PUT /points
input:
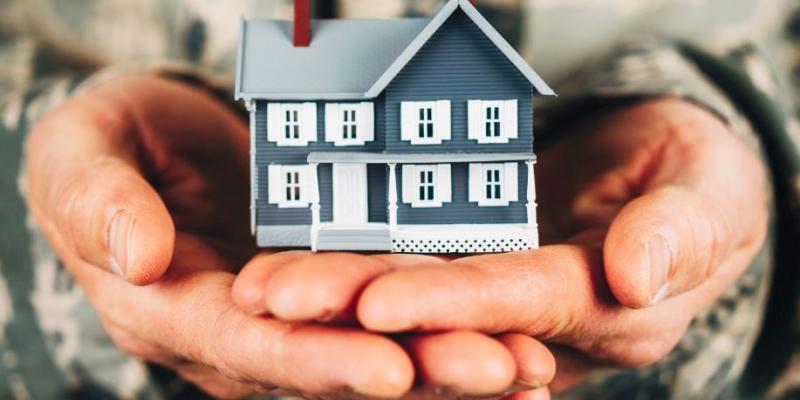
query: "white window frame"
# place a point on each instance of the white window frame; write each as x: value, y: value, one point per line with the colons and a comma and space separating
x: 493, y: 122
x: 415, y: 120
x: 279, y: 124
x: 479, y: 128
x: 282, y: 186
x: 350, y: 129
x: 479, y: 182
x: 423, y: 187
x: 413, y: 184
x: 290, y: 123
x: 486, y: 200
x: 338, y: 124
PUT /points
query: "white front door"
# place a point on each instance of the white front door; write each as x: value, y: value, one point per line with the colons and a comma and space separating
x: 350, y: 193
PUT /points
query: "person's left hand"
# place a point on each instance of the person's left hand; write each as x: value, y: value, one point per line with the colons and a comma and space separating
x: 658, y: 209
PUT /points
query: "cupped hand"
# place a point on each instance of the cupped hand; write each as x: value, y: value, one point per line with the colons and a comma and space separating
x: 649, y: 212
x: 144, y: 181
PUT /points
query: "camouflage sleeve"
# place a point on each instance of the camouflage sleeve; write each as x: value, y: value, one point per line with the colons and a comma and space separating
x: 725, y: 352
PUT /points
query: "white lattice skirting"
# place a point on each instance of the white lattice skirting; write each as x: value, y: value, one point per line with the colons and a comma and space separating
x: 464, y: 239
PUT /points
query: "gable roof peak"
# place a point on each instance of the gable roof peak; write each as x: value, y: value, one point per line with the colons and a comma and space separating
x: 436, y: 23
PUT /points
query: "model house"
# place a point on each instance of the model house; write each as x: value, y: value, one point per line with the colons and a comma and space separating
x: 405, y: 135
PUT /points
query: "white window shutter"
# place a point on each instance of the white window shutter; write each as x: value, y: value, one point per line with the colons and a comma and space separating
x: 475, y: 116
x: 510, y: 119
x: 333, y: 122
x: 275, y: 183
x: 443, y: 120
x: 410, y: 183
x: 366, y: 123
x: 274, y: 122
x: 476, y: 182
x: 308, y: 122
x: 511, y: 178
x: 408, y: 120
x: 444, y: 184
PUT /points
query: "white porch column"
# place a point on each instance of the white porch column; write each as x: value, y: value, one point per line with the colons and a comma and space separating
x: 392, y: 196
x: 531, y: 205
x: 315, y: 207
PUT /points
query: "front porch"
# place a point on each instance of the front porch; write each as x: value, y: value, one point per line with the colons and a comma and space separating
x: 455, y: 238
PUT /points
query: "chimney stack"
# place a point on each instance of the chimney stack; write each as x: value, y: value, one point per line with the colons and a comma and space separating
x: 302, y: 23
x: 474, y: 2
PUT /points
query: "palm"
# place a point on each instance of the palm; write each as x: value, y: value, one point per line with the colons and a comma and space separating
x: 194, y: 153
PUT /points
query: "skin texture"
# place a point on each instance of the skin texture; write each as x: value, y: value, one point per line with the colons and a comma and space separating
x: 647, y: 212
x: 141, y: 186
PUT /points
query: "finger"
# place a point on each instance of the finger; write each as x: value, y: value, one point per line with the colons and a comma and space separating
x: 248, y: 289
x: 191, y: 314
x: 490, y: 293
x: 85, y: 188
x: 537, y: 394
x: 536, y: 366
x: 694, y: 215
x: 466, y: 363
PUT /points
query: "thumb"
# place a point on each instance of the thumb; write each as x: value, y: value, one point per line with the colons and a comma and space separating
x: 112, y: 218
x: 703, y: 213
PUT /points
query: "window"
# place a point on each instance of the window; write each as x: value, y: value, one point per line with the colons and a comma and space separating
x: 492, y: 121
x: 426, y: 185
x: 493, y: 185
x: 349, y: 124
x: 290, y: 186
x: 425, y: 122
x: 291, y: 124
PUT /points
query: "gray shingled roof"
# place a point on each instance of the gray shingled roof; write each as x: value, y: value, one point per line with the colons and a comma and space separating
x: 347, y: 59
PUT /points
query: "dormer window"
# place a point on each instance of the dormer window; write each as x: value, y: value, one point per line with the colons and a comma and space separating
x: 349, y: 124
x: 291, y: 124
x: 493, y: 121
x: 425, y: 122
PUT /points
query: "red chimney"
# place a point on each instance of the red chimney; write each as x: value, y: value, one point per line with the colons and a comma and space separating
x: 302, y: 23
x: 474, y: 2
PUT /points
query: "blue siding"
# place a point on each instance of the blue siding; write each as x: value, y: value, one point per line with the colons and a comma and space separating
x: 378, y: 195
x: 460, y: 210
x: 458, y: 64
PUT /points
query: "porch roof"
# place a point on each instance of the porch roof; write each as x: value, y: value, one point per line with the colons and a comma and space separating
x: 327, y: 157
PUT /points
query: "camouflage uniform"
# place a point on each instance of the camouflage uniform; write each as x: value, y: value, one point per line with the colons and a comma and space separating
x: 738, y: 58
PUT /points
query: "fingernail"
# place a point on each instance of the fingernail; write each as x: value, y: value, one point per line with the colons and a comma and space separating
x: 659, y: 258
x: 118, y: 234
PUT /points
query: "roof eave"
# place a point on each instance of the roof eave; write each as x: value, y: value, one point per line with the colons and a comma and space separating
x: 240, y: 61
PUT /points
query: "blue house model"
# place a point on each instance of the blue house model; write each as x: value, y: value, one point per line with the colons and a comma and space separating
x: 405, y: 135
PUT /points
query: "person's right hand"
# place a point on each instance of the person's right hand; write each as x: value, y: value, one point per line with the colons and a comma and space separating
x: 146, y: 179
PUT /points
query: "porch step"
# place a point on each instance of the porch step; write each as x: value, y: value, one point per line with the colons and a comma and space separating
x: 369, y: 239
